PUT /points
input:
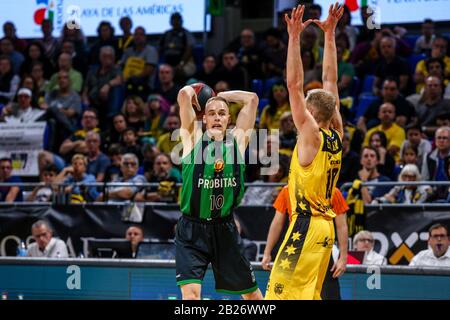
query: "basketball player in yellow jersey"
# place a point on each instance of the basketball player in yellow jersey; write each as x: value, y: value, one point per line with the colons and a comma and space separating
x: 300, y: 266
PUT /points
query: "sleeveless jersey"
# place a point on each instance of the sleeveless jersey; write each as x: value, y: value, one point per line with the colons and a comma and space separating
x: 213, y: 179
x: 311, y: 187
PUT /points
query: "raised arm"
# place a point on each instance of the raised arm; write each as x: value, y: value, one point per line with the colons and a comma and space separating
x: 245, y: 121
x: 330, y: 69
x: 186, y: 100
x: 294, y: 68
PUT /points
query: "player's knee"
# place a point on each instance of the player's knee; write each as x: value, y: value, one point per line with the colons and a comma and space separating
x: 255, y: 295
x: 191, y: 296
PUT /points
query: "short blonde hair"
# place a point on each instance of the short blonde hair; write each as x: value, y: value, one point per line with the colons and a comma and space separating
x: 81, y: 157
x: 324, y: 102
x: 220, y: 99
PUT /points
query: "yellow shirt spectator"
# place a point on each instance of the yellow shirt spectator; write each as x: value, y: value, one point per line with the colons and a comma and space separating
x: 395, y: 136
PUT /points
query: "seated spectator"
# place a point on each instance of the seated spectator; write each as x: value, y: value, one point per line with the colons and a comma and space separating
x: 9, y: 30
x: 346, y: 72
x: 65, y: 64
x: 44, y: 192
x: 46, y: 158
x: 232, y: 72
x: 16, y: 58
x: 436, y: 68
x: 369, y: 173
x: 139, y: 62
x: 22, y: 111
x: 344, y: 27
x: 409, y: 155
x: 350, y: 161
x: 155, y: 115
x: 79, y: 58
x: 97, y: 160
x: 278, y: 104
x: 310, y: 42
x: 165, y: 142
x: 46, y: 246
x: 395, y: 134
x: 9, y: 82
x: 406, y: 194
x: 208, y: 73
x: 113, y: 172
x: 424, y: 42
x: 150, y: 153
x: 430, y: 104
x: 404, y: 111
x: 129, y: 168
x: 134, y: 234
x: 167, y: 176
x: 28, y: 82
x: 365, y: 54
x: 114, y: 134
x: 390, y: 65
x: 249, y: 249
x: 75, y: 177
x: 176, y: 47
x: 36, y: 53
x: 363, y: 241
x: 386, y: 164
x: 75, y: 143
x: 73, y: 42
x: 437, y: 254
x: 101, y: 82
x: 167, y: 88
x: 439, y: 51
x: 105, y: 37
x: 9, y: 194
x: 288, y: 132
x: 414, y: 139
x: 274, y: 54
x: 130, y: 143
x: 250, y: 55
x: 134, y: 111
x: 311, y: 68
x: 40, y: 82
x: 48, y: 41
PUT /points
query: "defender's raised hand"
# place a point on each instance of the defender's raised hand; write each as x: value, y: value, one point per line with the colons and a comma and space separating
x: 295, y: 24
x: 334, y: 14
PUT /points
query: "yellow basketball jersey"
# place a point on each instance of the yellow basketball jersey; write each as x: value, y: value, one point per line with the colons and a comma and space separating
x: 311, y: 187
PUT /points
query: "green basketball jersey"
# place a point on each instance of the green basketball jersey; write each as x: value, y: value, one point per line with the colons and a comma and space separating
x: 213, y: 179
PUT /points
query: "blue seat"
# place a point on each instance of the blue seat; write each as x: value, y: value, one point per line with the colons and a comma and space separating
x: 257, y: 87
x: 411, y: 40
x: 413, y: 60
x: 268, y: 85
x: 364, y: 102
x: 368, y: 83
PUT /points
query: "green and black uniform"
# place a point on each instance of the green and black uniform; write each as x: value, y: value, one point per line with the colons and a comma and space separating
x: 213, y: 184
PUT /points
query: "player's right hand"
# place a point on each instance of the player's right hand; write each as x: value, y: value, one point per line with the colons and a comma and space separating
x: 266, y: 262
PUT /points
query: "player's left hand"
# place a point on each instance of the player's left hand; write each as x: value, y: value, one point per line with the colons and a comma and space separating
x: 334, y: 14
x: 339, y: 268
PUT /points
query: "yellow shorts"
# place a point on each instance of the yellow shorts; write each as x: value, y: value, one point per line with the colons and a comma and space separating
x: 302, y: 260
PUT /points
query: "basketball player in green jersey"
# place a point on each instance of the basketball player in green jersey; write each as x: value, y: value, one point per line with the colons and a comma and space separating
x: 213, y: 184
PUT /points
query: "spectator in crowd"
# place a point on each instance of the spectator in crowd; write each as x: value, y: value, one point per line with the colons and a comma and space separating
x: 176, y: 47
x: 433, y: 163
x: 134, y: 234
x: 46, y: 246
x: 365, y: 54
x: 310, y: 42
x: 97, y: 160
x: 390, y: 65
x: 7, y: 49
x: 9, y: 30
x: 113, y: 172
x: 36, y: 53
x: 437, y: 254
x: 407, y: 194
x: 288, y: 132
x: 126, y: 40
x: 44, y: 192
x: 49, y: 42
x: 150, y: 153
x: 439, y: 51
x: 394, y: 133
x: 22, y: 111
x: 274, y: 55
x: 386, y: 164
x: 37, y: 73
x: 75, y: 177
x: 409, y: 155
x: 369, y: 173
x: 129, y: 168
x: 168, y: 89
x: 65, y: 64
x: 346, y: 72
x: 344, y: 27
x: 430, y: 104
x: 363, y: 241
x: 165, y: 142
x: 75, y: 143
x: 105, y: 37
x: 414, y: 139
x: 64, y: 106
x: 312, y: 72
x: 9, y: 82
x: 424, y: 42
x: 232, y: 72
x: 278, y: 104
x: 102, y: 82
x: 28, y: 82
x: 249, y: 249
x: 155, y: 116
x: 114, y: 134
x: 250, y: 55
x: 77, y: 38
x: 350, y: 161
x: 208, y: 73
x: 9, y: 194
x: 46, y: 158
x: 79, y: 59
x: 134, y: 110
x: 139, y: 61
x: 167, y: 176
x: 130, y: 143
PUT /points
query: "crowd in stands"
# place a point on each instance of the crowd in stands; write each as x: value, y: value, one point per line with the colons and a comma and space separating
x: 110, y: 105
